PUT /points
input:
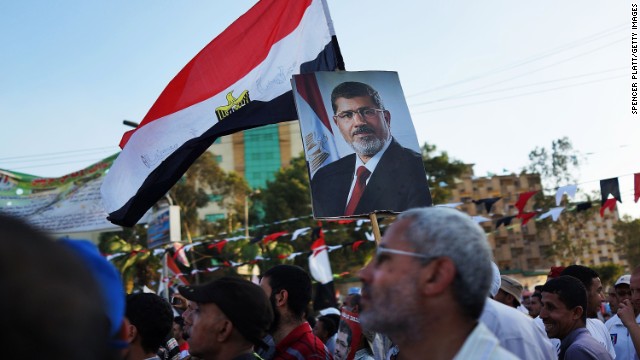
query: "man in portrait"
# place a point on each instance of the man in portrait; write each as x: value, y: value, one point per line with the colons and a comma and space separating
x: 381, y: 174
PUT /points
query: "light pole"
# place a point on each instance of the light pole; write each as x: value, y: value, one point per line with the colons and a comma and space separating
x: 246, y: 211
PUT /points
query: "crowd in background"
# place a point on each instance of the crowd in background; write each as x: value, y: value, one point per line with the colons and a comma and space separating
x: 431, y: 291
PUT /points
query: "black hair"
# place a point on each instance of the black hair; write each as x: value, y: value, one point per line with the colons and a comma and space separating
x: 351, y: 89
x: 582, y: 273
x: 344, y: 328
x: 295, y: 281
x: 179, y: 320
x: 570, y: 291
x: 329, y: 324
x: 153, y: 318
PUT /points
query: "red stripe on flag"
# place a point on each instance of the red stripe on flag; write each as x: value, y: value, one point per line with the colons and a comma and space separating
x: 307, y: 87
x: 609, y: 204
x: 356, y: 245
x: 222, y: 62
x: 526, y: 217
x: 273, y: 237
x: 173, y: 268
x: 522, y: 200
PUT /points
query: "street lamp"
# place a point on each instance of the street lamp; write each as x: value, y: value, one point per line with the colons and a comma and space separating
x: 246, y: 211
x: 133, y: 124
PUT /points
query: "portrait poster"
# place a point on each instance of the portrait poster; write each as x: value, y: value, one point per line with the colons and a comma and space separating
x: 360, y: 144
x: 348, y: 336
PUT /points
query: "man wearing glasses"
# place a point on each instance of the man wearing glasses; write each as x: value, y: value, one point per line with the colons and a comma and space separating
x: 381, y: 174
x: 427, y: 285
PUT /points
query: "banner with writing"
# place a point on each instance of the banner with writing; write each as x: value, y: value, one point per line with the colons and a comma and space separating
x: 71, y: 203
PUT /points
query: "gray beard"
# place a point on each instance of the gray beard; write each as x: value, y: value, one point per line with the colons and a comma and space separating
x: 367, y: 147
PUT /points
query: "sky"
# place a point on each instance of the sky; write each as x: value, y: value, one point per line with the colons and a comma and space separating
x: 487, y: 81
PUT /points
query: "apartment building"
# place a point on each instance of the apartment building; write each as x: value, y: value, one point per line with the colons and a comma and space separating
x: 525, y: 249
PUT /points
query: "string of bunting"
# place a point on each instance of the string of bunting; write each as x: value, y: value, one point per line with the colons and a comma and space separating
x: 609, y: 187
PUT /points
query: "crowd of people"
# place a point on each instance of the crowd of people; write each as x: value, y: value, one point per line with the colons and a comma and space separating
x: 431, y: 291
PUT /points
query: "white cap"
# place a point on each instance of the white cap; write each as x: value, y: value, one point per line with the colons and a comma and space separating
x: 624, y: 279
x: 495, y: 284
x: 329, y: 311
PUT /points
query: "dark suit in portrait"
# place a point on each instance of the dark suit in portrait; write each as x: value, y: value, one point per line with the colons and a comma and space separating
x: 398, y: 183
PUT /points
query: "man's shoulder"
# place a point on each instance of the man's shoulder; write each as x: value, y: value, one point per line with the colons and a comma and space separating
x: 506, y: 314
x: 399, y: 150
x: 586, y: 346
x: 344, y: 163
x: 301, y: 343
x: 596, y: 324
x: 613, y: 321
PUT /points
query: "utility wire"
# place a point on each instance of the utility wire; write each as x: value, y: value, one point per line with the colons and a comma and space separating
x: 455, y: 97
x: 13, y: 158
x: 565, y: 47
x: 517, y: 95
x: 538, y: 69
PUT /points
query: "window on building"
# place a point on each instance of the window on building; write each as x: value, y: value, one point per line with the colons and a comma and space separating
x: 213, y: 217
x: 215, y: 197
x: 262, y: 155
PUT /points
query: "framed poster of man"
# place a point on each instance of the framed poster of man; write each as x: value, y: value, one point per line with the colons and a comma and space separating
x: 360, y: 144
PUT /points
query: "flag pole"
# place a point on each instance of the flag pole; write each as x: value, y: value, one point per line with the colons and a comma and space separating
x: 334, y: 38
x: 165, y: 275
x: 376, y: 228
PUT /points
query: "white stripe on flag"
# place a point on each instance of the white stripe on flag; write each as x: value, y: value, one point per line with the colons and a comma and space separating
x: 153, y: 143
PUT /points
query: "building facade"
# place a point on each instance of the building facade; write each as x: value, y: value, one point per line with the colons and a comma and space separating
x: 526, y: 250
x: 255, y: 154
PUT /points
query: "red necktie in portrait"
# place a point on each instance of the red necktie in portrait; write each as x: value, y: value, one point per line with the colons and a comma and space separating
x: 361, y: 181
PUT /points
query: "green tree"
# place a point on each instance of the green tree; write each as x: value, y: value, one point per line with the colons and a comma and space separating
x: 557, y: 166
x: 136, y: 264
x: 288, y: 195
x: 203, y: 181
x: 627, y: 239
x: 441, y: 172
x: 609, y: 273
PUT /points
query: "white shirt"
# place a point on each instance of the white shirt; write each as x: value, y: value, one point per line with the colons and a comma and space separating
x: 596, y: 328
x: 481, y: 345
x: 621, y: 339
x: 517, y: 332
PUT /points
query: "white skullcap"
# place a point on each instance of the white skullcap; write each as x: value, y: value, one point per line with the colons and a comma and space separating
x: 495, y: 283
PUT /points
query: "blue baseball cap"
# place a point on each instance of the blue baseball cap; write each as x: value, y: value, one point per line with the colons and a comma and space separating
x: 108, y: 279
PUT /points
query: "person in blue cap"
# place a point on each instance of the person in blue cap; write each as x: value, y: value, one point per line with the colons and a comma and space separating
x: 52, y: 305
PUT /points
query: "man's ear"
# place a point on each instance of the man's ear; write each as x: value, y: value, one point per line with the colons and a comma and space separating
x: 576, y: 312
x: 282, y: 297
x: 131, y: 332
x: 387, y: 117
x: 436, y: 276
x: 225, y: 330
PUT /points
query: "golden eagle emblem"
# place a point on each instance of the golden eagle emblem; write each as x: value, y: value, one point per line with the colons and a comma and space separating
x: 234, y: 104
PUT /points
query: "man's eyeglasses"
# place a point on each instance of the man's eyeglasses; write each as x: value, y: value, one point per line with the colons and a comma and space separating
x: 382, y: 250
x: 365, y: 113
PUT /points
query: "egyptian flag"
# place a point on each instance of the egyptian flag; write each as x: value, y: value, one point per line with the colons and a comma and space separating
x: 320, y: 269
x: 239, y: 81
x: 317, y: 135
x: 174, y: 276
